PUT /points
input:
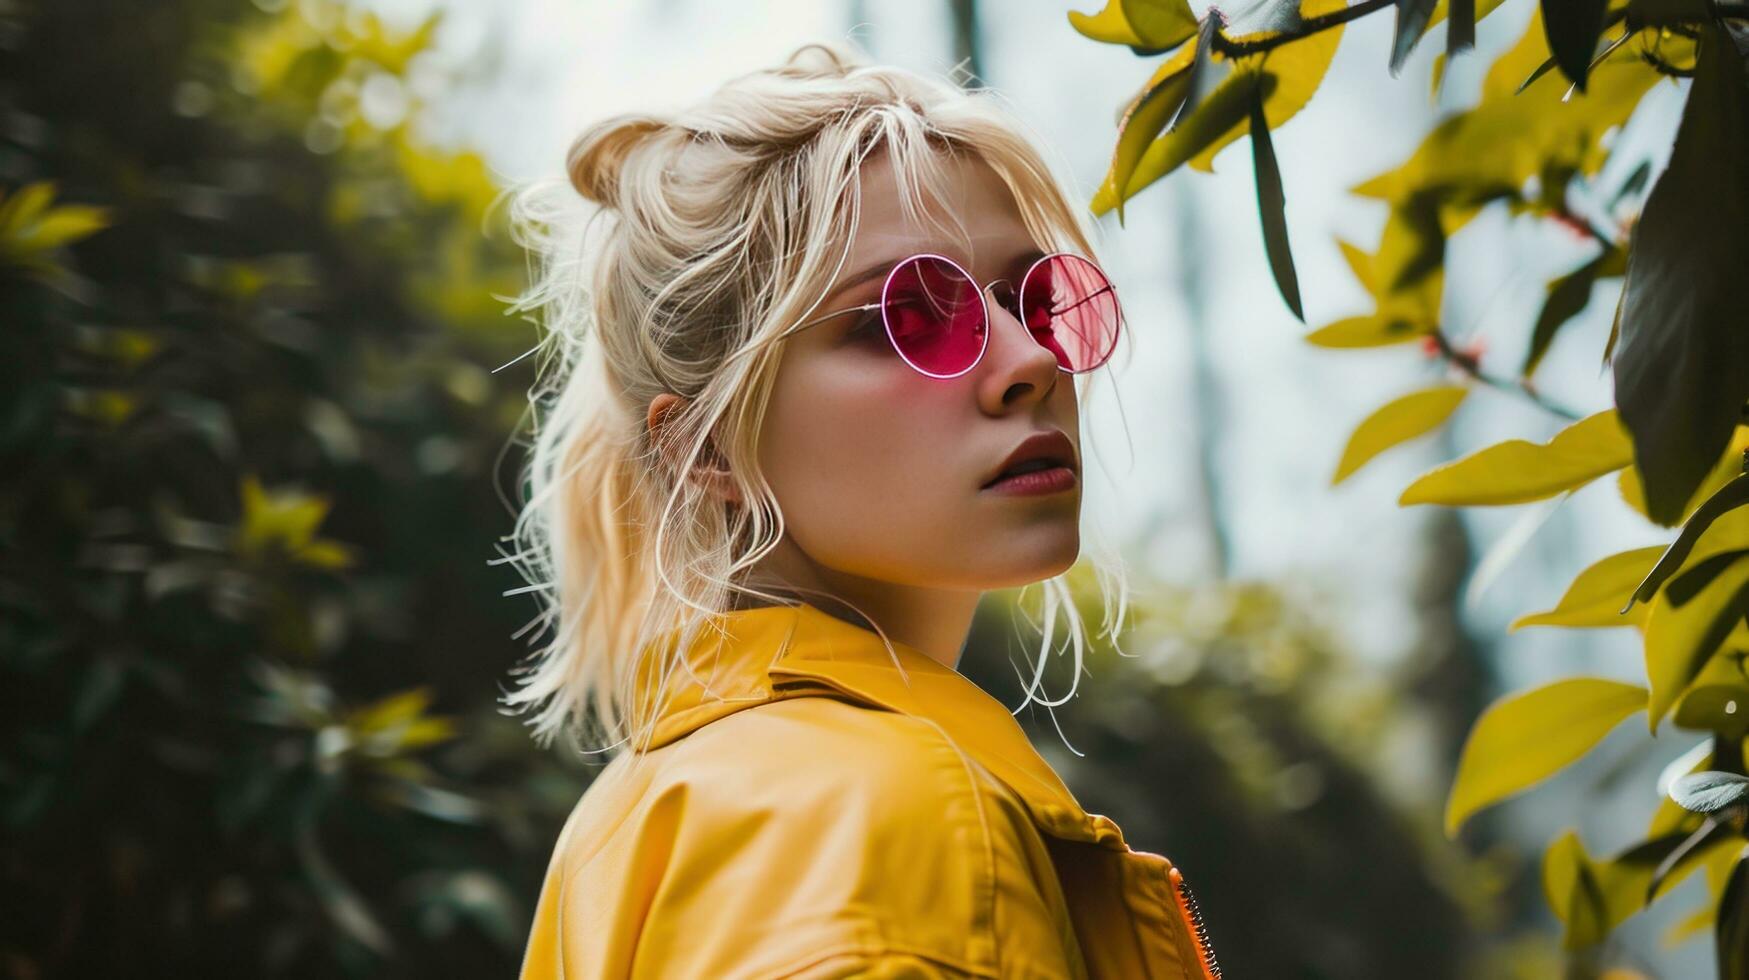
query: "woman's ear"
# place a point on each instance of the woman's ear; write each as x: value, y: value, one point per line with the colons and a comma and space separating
x: 712, y: 472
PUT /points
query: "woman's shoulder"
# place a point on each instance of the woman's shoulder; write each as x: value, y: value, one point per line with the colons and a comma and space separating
x: 835, y: 825
x: 828, y: 750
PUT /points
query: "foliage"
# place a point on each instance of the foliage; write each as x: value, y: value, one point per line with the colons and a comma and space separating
x: 1536, y: 143
x: 1230, y: 731
x: 249, y: 431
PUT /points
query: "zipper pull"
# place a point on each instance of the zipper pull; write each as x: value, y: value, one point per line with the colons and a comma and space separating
x: 1192, y: 913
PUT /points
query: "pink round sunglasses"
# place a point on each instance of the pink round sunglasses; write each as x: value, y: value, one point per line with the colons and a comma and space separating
x: 938, y: 320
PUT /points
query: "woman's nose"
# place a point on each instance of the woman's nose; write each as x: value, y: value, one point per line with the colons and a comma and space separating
x: 1018, y: 354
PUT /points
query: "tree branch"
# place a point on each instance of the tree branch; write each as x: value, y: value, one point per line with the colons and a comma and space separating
x: 1468, y: 365
x: 1311, y: 25
x: 1323, y: 22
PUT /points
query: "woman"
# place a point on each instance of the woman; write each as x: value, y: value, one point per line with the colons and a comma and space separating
x: 813, y: 394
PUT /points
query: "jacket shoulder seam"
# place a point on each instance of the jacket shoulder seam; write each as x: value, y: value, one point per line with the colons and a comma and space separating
x: 983, y: 928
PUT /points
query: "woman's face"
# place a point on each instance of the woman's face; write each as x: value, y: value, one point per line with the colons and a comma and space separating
x: 879, y: 469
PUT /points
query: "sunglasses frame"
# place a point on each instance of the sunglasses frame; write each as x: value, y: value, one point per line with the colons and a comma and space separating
x: 984, y: 304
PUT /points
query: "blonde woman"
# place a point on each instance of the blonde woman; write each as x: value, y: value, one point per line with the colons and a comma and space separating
x: 810, y: 392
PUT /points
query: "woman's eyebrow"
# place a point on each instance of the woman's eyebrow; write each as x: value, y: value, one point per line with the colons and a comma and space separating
x: 885, y: 266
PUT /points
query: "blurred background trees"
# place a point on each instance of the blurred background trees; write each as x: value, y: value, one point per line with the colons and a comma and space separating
x: 249, y: 635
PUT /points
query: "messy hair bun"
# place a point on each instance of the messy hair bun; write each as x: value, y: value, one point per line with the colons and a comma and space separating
x: 597, y: 157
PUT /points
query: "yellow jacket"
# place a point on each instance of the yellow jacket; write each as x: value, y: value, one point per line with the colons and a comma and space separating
x: 816, y: 816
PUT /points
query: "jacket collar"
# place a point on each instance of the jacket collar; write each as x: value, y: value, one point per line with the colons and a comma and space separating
x: 769, y: 653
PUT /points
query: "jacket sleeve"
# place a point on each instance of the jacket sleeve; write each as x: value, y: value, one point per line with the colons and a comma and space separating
x: 868, y: 847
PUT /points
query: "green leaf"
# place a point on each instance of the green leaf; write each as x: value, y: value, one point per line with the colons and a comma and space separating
x: 1731, y: 497
x: 1460, y: 33
x: 1733, y: 925
x: 1680, y: 362
x: 1572, y: 28
x: 1412, y: 20
x: 1272, y: 207
x: 1522, y: 739
x: 1728, y: 468
x: 1683, y: 632
x: 1159, y: 24
x: 1595, y: 597
x: 1516, y: 471
x: 1568, y: 295
x: 1396, y: 422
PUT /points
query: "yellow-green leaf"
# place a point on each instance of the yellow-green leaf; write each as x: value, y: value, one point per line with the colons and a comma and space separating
x: 1720, y: 524
x: 1573, y: 892
x: 1720, y: 708
x: 1405, y: 277
x: 1147, y: 115
x: 1371, y: 330
x: 1596, y: 596
x: 1680, y: 639
x: 1592, y: 897
x: 1506, y: 139
x: 286, y: 521
x: 1396, y: 422
x: 1287, y: 76
x: 1522, y: 739
x: 1517, y: 471
x: 396, y: 709
x: 20, y: 208
x: 1360, y: 263
x: 1141, y: 23
x: 325, y: 553
x: 1730, y: 464
x: 30, y: 227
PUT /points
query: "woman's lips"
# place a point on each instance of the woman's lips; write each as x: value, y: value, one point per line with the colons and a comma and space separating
x: 1056, y: 479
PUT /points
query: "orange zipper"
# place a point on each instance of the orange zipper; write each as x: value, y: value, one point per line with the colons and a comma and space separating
x: 1192, y: 914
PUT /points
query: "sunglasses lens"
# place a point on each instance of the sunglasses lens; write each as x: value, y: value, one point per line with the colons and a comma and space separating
x: 1071, y: 309
x: 935, y: 316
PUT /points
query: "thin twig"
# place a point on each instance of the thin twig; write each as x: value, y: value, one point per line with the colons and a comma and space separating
x: 1311, y: 25
x: 1470, y: 367
x: 1323, y: 22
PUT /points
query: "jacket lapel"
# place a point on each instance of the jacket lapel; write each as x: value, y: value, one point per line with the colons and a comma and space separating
x: 768, y: 653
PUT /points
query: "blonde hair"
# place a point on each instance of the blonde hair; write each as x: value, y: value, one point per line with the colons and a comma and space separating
x: 730, y: 219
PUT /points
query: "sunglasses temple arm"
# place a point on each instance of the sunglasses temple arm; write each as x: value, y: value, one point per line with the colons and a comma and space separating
x: 1085, y: 299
